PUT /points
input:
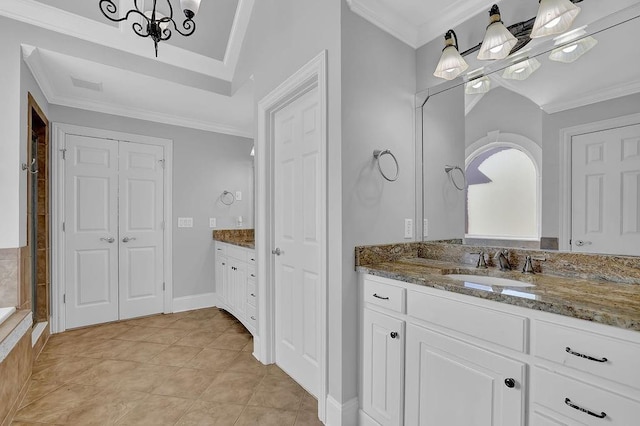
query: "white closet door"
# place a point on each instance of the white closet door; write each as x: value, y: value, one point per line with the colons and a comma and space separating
x: 606, y: 191
x: 141, y: 182
x: 297, y: 234
x: 91, y: 234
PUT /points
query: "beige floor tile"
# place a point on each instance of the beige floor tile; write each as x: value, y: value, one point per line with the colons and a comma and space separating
x: 231, y: 341
x: 199, y: 338
x: 284, y: 398
x: 277, y: 381
x: 205, y: 313
x: 165, y: 336
x: 309, y: 403
x: 142, y: 378
x: 105, y: 408
x: 56, y: 406
x: 136, y: 333
x: 107, y: 349
x: 64, y: 370
x: 211, y: 414
x: 176, y: 356
x: 307, y: 418
x: 156, y: 410
x: 185, y: 383
x: 38, y: 389
x: 108, y: 331
x: 158, y: 321
x: 261, y: 416
x: 213, y: 359
x: 232, y: 388
x: 246, y: 362
x: 106, y: 373
x: 249, y: 346
x: 141, y: 352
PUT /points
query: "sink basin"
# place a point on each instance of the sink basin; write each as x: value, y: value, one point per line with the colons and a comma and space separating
x: 490, y: 281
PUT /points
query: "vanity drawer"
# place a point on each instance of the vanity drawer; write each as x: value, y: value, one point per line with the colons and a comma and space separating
x: 556, y: 392
x: 251, y: 257
x: 500, y: 328
x: 384, y: 295
x: 221, y: 248
x: 237, y: 253
x: 251, y: 272
x: 553, y: 341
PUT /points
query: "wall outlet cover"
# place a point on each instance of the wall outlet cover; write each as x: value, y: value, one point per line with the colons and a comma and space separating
x: 212, y: 222
x: 185, y: 222
x: 408, y: 228
x: 238, y: 195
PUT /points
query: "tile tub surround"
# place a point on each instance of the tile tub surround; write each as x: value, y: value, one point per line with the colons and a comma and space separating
x: 239, y: 237
x: 597, y: 288
x: 15, y: 361
x: 181, y: 369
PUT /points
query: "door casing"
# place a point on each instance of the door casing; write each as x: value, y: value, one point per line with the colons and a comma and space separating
x: 314, y: 73
x: 58, y: 279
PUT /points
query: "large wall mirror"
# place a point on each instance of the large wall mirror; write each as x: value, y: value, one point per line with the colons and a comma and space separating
x: 548, y: 138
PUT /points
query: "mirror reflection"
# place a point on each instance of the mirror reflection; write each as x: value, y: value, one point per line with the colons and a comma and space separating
x: 550, y: 141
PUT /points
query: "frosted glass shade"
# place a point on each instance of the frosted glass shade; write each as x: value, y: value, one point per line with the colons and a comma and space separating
x: 478, y: 86
x: 573, y: 51
x: 451, y: 64
x: 554, y: 17
x: 498, y: 42
x: 521, y: 70
x: 190, y: 7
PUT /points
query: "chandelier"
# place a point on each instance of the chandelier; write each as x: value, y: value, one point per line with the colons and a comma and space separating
x: 154, y: 24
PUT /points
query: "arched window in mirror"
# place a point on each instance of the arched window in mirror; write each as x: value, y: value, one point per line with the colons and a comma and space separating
x: 503, y: 192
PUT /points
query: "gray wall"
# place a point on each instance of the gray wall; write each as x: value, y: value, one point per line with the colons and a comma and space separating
x: 205, y: 164
x: 378, y: 89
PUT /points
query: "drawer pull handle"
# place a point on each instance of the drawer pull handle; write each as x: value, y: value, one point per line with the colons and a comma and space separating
x: 510, y: 383
x: 253, y: 275
x: 380, y: 297
x: 602, y: 414
x: 394, y: 334
x: 253, y: 295
x: 590, y: 358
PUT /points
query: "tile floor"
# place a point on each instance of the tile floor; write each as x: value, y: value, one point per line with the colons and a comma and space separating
x: 190, y: 368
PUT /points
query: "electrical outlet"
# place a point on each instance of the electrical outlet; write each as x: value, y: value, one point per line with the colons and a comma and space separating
x: 238, y: 195
x: 408, y: 228
x: 185, y: 222
x: 212, y: 222
x: 425, y: 228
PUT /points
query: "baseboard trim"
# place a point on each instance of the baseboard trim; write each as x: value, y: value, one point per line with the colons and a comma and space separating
x: 197, y: 301
x: 365, y: 420
x: 342, y: 414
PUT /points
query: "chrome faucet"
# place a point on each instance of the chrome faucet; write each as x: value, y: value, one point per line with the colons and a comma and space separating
x: 503, y: 260
x: 528, y: 266
x: 482, y: 263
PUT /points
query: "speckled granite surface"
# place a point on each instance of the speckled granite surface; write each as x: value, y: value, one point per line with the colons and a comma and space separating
x: 239, y: 237
x: 597, y: 288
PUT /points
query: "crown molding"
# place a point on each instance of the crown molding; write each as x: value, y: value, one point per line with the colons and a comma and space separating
x: 67, y: 23
x: 628, y: 88
x: 387, y: 21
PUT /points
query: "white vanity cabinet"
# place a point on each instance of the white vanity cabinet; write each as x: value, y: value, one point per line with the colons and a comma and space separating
x: 459, y: 360
x: 236, y: 282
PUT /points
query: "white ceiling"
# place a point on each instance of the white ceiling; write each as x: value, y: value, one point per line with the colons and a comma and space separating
x: 136, y: 95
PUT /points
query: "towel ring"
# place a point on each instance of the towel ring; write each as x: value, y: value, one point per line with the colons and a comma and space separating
x: 227, y: 198
x: 377, y: 154
x: 449, y: 169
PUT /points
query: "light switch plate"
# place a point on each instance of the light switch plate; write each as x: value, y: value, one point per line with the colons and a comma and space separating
x: 212, y: 222
x: 238, y: 195
x: 185, y: 222
x: 408, y: 228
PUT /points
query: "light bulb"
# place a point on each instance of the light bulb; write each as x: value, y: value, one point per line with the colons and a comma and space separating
x: 496, y: 49
x: 570, y: 49
x: 477, y: 85
x: 553, y: 22
x: 519, y: 70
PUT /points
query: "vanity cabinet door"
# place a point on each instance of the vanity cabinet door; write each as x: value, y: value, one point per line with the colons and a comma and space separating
x: 222, y: 278
x: 452, y: 383
x: 383, y: 362
x: 240, y: 289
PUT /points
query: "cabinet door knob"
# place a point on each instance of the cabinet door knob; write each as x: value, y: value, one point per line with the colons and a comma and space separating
x: 509, y: 382
x: 394, y: 335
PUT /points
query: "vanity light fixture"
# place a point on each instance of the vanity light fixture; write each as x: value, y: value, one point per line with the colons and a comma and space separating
x: 451, y: 64
x: 478, y: 86
x: 521, y: 70
x: 154, y: 24
x: 554, y: 17
x: 572, y: 51
x: 498, y: 40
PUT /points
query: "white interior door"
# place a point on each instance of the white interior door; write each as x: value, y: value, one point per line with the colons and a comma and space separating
x: 606, y: 191
x: 91, y: 231
x: 141, y: 225
x: 298, y: 236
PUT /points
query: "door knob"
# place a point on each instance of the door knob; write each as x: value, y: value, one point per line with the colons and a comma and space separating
x: 394, y: 335
x: 509, y: 382
x: 277, y: 251
x: 581, y: 243
x: 108, y: 240
x: 127, y: 239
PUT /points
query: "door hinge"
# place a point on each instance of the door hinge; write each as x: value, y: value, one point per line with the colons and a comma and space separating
x: 64, y: 227
x: 64, y: 298
x: 161, y: 163
x: 64, y: 153
x: 163, y: 286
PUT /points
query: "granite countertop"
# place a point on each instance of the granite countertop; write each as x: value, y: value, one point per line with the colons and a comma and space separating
x: 601, y: 301
x: 238, y: 237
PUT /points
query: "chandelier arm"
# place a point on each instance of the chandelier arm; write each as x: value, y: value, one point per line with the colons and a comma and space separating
x: 140, y: 30
x: 170, y: 10
x: 188, y: 25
